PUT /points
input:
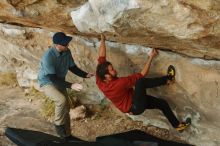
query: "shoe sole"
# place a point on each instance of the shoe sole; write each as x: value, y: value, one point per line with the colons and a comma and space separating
x: 171, y: 67
x: 188, y: 122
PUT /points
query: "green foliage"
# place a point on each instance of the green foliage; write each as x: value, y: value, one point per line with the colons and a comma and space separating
x: 48, y: 107
x: 47, y: 110
x: 8, y: 79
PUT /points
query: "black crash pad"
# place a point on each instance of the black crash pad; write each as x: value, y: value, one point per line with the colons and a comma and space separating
x: 23, y: 137
x: 136, y: 136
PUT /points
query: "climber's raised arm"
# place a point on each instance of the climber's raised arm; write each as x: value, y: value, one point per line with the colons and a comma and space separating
x: 102, y: 48
x: 146, y: 68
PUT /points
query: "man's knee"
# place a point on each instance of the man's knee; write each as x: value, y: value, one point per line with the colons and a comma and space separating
x: 61, y: 101
x: 137, y: 109
x: 163, y: 103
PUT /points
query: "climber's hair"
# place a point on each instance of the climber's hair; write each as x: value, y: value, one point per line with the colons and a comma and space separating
x: 102, y: 70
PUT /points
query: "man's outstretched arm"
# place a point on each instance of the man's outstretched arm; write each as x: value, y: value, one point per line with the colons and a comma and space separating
x: 146, y: 68
x: 102, y: 48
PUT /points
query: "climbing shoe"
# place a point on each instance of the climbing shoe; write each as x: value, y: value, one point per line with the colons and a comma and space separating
x: 182, y: 126
x: 171, y: 73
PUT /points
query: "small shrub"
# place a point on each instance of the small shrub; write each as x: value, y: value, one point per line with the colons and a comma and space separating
x: 48, y: 107
x: 8, y: 79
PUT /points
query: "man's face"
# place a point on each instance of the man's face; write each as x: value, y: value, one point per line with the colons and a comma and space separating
x: 62, y: 48
x: 112, y: 73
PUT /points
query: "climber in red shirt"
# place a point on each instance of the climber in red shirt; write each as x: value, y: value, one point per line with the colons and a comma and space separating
x: 134, y: 101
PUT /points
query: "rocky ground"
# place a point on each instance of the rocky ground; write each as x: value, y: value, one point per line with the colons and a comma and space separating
x: 21, y: 110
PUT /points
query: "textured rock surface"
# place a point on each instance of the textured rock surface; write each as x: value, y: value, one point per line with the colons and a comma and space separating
x: 186, y: 31
x: 17, y: 112
x: 78, y: 113
x: 189, y: 27
x: 195, y: 93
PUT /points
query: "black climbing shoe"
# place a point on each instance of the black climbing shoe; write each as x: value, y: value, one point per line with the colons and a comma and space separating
x: 182, y: 126
x: 171, y: 73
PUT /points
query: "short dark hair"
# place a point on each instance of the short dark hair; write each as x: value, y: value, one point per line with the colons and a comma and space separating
x: 102, y: 70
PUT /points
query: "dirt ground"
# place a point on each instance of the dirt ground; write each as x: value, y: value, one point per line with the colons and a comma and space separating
x: 21, y: 110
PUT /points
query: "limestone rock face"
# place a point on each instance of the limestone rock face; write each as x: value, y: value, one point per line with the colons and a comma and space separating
x: 186, y: 31
x: 189, y: 27
x: 195, y: 93
x: 78, y: 113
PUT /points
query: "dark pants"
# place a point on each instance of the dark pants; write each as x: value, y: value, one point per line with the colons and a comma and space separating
x: 142, y: 101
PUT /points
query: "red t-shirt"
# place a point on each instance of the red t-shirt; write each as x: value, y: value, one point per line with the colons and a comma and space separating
x: 119, y: 90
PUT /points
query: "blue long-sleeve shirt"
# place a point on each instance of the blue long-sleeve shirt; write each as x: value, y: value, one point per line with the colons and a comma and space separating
x: 54, y: 67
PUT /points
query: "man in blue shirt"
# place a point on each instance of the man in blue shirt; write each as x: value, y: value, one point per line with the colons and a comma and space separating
x: 54, y: 66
